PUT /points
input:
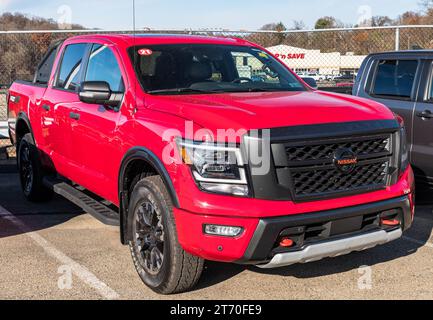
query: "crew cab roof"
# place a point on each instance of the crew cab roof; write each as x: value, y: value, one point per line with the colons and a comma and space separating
x: 145, y: 39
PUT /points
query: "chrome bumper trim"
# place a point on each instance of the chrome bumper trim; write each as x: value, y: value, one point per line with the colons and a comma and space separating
x: 333, y: 248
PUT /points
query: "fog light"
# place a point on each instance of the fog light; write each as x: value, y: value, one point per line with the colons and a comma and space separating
x: 225, y: 231
x: 390, y: 222
x: 286, y: 242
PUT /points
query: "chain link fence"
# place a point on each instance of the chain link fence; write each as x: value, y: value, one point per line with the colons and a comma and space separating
x: 332, y: 57
x: 324, y: 52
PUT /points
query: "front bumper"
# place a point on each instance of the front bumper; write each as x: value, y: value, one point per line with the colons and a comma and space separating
x: 343, y: 230
x: 333, y: 248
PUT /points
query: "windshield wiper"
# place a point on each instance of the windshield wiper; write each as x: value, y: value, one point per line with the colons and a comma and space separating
x: 220, y: 90
x: 179, y: 90
x: 267, y: 89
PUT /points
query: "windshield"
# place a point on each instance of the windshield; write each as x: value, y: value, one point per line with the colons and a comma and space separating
x: 192, y: 68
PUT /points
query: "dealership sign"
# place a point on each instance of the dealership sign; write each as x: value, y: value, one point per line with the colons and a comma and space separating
x: 290, y: 56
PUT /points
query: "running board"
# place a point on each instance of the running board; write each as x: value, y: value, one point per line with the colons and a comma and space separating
x: 84, y: 201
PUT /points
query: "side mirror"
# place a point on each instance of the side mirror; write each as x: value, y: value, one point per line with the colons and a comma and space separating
x: 99, y: 92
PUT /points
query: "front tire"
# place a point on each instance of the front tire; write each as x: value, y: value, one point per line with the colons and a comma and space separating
x: 30, y: 171
x: 157, y: 255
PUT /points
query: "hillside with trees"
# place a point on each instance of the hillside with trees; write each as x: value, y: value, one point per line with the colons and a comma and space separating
x: 20, y: 53
x: 18, y: 21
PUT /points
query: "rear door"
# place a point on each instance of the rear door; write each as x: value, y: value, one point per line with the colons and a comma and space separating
x: 59, y: 102
x: 422, y: 149
x: 44, y: 107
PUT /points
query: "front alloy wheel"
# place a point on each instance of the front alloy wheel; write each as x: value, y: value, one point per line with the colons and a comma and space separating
x: 149, y: 237
x: 159, y: 259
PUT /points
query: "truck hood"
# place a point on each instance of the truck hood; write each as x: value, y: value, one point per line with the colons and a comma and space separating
x: 269, y: 110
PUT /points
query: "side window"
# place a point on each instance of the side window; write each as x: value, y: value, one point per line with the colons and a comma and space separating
x: 44, y: 71
x: 69, y: 72
x: 103, y: 66
x: 394, y: 78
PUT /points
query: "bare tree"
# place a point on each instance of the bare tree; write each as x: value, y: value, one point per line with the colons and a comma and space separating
x: 298, y: 25
x: 426, y: 4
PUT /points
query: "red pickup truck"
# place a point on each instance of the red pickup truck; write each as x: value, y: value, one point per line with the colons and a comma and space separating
x: 208, y: 148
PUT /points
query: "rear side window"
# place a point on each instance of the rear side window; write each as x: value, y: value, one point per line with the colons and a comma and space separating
x: 103, y: 66
x: 69, y: 72
x: 395, y: 78
x: 44, y: 71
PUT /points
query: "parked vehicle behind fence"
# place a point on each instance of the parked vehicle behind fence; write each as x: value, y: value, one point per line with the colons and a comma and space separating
x: 310, y: 81
x: 403, y: 82
x: 315, y: 76
x: 129, y: 128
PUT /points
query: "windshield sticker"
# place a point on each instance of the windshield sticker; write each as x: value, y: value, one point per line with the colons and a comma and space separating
x: 263, y: 55
x: 145, y: 52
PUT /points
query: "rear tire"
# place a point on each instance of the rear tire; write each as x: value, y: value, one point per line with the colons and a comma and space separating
x: 157, y: 255
x: 31, y: 172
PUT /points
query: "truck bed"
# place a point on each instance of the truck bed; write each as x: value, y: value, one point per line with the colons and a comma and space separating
x: 22, y: 95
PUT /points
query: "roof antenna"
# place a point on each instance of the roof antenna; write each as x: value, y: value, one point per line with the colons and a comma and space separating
x: 133, y: 15
x: 134, y: 42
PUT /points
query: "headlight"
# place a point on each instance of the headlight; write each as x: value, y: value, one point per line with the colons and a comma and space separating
x: 216, y: 167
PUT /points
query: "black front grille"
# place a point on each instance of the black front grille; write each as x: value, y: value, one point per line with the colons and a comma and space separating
x: 313, y: 173
x: 323, y: 161
x: 325, y: 151
x: 312, y: 182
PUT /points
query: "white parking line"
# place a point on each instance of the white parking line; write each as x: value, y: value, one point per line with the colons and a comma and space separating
x: 81, y: 272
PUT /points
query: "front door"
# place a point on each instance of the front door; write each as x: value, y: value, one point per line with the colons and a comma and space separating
x: 393, y: 85
x: 95, y: 141
x: 422, y: 149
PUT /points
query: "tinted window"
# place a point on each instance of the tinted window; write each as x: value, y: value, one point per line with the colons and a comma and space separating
x: 103, y: 66
x: 395, y: 78
x: 44, y: 71
x: 69, y: 74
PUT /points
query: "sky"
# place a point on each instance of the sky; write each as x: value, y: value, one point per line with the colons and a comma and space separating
x: 225, y: 14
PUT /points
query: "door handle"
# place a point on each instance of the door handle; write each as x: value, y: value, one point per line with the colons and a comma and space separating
x: 75, y: 116
x: 426, y: 114
x: 46, y: 107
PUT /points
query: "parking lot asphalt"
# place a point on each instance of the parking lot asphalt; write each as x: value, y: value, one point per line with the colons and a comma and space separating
x: 56, y: 251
